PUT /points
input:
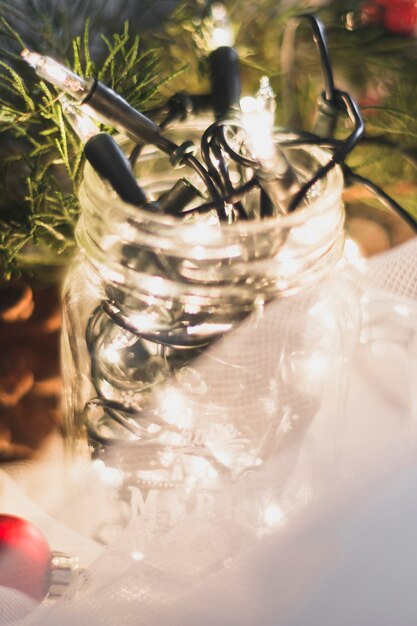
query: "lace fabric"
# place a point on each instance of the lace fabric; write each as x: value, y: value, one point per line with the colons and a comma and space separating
x: 256, y: 550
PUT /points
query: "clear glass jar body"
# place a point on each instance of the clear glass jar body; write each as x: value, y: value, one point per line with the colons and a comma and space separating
x: 150, y: 300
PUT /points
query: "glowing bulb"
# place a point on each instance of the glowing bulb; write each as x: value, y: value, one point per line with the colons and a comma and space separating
x: 142, y: 321
x: 273, y: 514
x: 257, y: 124
x: 317, y: 365
x: 202, y: 228
x: 311, y: 371
x: 58, y: 74
x: 352, y: 252
x: 174, y: 408
x: 221, y: 33
x: 323, y: 315
x: 108, y: 475
x: 275, y: 174
x: 248, y: 104
x: 79, y: 119
x: 265, y: 98
x: 111, y: 355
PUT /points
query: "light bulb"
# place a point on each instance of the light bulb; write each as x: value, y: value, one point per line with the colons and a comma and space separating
x: 266, y: 99
x: 221, y: 32
x: 274, y: 173
x: 58, y: 74
x: 352, y: 252
x: 257, y: 125
x: 107, y: 105
x: 79, y: 119
x: 273, y: 514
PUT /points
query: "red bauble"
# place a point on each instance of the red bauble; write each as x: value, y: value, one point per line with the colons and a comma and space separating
x: 396, y: 16
x: 401, y: 17
x: 25, y: 557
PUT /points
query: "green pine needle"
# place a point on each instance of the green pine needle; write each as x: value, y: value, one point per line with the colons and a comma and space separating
x: 41, y: 157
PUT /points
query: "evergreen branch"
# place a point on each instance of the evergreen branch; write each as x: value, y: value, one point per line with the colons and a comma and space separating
x: 18, y: 84
x: 12, y: 32
x: 47, y: 160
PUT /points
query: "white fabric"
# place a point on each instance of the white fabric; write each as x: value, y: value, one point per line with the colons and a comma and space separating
x: 336, y: 545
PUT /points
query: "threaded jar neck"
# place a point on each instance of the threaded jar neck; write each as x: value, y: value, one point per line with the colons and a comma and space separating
x: 137, y: 249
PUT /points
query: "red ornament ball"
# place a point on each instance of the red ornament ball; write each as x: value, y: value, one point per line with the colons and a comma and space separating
x: 396, y: 16
x: 401, y: 17
x: 25, y: 557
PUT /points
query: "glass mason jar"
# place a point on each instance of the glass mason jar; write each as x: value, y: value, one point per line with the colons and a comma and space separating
x: 149, y: 298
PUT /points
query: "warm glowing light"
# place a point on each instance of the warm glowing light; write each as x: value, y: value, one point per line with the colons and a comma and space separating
x: 402, y: 310
x: 201, y: 228
x: 111, y: 355
x: 57, y: 74
x: 266, y: 99
x: 142, y: 321
x: 258, y: 127
x: 199, y: 472
x: 273, y: 514
x: 232, y: 453
x: 323, y: 315
x: 248, y: 104
x: 110, y: 241
x: 276, y: 176
x: 174, y: 408
x: 193, y: 305
x: 352, y: 252
x: 317, y: 365
x: 79, y: 119
x: 137, y: 556
x: 221, y: 33
x: 221, y: 37
x: 209, y: 329
x: 109, y: 476
x: 167, y: 458
x: 310, y: 370
x: 316, y: 229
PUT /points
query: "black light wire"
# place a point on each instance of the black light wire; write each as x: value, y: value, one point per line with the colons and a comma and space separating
x: 214, y: 144
x: 341, y: 152
x: 288, y: 63
x: 383, y: 197
x: 115, y: 409
x: 339, y: 100
x: 212, y: 153
x: 178, y: 108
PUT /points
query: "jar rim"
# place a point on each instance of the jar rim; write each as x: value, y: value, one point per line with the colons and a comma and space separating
x: 283, y: 252
x: 333, y: 185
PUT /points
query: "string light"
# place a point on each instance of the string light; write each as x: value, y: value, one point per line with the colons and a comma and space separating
x: 273, y: 515
x: 227, y: 175
x: 56, y: 73
x: 109, y: 106
x: 80, y: 119
x: 103, y: 153
x: 221, y: 33
x: 224, y: 64
x: 276, y: 177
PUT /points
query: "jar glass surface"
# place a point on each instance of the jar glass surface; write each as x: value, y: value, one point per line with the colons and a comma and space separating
x: 156, y: 384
